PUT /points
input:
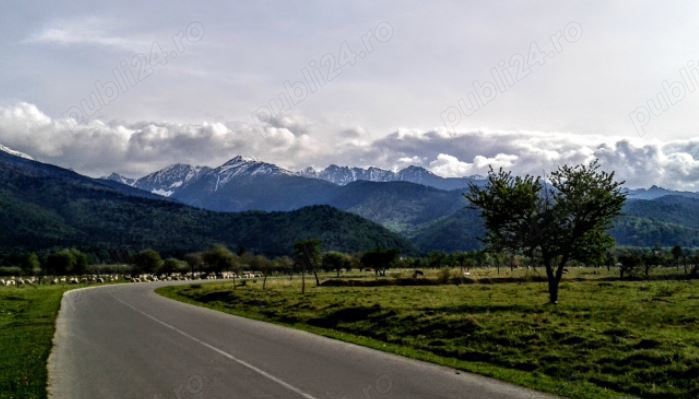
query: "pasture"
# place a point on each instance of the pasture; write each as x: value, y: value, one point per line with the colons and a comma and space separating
x: 605, y: 338
x: 27, y: 317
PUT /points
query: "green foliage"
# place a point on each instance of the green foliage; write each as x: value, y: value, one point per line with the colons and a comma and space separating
x: 147, y: 261
x: 380, y: 260
x: 336, y: 261
x: 31, y: 264
x: 173, y: 265
x: 566, y: 222
x: 66, y: 261
x: 219, y: 259
x: 307, y: 255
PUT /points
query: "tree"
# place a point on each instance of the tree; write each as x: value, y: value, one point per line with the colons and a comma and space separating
x: 677, y: 254
x: 307, y: 258
x: 628, y: 264
x: 194, y: 261
x: 380, y: 260
x: 80, y: 262
x: 66, y: 261
x: 219, y: 259
x: 563, y: 222
x: 336, y: 261
x: 171, y: 265
x: 31, y: 264
x: 284, y: 264
x: 262, y: 264
x: 652, y: 259
x: 463, y: 260
x: 146, y: 262
x: 60, y: 262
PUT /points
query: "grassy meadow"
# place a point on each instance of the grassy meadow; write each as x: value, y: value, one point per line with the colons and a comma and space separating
x: 605, y: 339
x: 27, y: 323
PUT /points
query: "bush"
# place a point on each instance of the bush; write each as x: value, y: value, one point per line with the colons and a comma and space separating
x: 443, y: 275
x: 10, y: 271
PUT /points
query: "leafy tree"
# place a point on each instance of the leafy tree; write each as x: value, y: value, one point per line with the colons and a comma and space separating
x: 146, y: 261
x: 171, y: 265
x: 307, y: 258
x: 463, y: 260
x: 652, y: 259
x: 194, y: 261
x: 610, y: 260
x: 629, y: 263
x: 336, y: 261
x: 437, y: 259
x: 262, y: 264
x: 284, y: 264
x: 31, y: 264
x: 66, y: 261
x: 380, y: 260
x: 219, y: 259
x: 677, y: 254
x: 80, y: 263
x: 60, y: 262
x: 564, y: 222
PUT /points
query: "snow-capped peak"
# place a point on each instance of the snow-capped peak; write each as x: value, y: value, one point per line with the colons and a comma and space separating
x: 120, y: 179
x: 238, y: 159
x: 165, y: 181
x: 15, y: 152
x: 242, y: 166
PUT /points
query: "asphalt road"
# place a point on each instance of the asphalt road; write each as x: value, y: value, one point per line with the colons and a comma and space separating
x: 125, y: 341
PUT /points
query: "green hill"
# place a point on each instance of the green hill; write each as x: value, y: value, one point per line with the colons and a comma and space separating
x: 44, y: 207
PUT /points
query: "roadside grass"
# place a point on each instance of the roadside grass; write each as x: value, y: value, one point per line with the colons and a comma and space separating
x: 27, y: 323
x: 606, y: 339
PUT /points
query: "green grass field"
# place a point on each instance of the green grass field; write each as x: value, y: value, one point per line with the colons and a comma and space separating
x: 27, y: 317
x: 605, y: 339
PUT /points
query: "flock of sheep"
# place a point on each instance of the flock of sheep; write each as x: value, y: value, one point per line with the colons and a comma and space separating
x: 113, y: 278
x: 32, y: 281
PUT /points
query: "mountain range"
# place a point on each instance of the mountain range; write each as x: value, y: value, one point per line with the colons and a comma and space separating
x: 45, y: 207
x: 255, y: 205
x: 423, y: 207
x: 174, y: 178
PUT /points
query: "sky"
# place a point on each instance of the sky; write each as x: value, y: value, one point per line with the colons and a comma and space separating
x: 454, y: 86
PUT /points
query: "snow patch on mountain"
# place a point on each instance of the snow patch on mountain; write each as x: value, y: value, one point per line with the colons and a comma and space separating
x: 240, y: 166
x: 119, y: 179
x: 15, y: 152
x: 164, y: 193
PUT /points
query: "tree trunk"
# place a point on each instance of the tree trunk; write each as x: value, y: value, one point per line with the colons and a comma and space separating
x: 554, y: 279
x: 553, y: 291
x: 264, y: 281
x: 338, y: 273
x: 315, y: 274
x: 553, y: 287
x: 303, y: 282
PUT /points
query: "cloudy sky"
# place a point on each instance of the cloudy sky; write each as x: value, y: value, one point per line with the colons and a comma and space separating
x: 454, y: 86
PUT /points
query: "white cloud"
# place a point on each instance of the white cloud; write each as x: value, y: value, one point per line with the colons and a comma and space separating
x: 85, y: 31
x: 98, y: 147
x: 450, y: 166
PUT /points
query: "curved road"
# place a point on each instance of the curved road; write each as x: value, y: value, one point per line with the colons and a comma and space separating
x: 125, y: 341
